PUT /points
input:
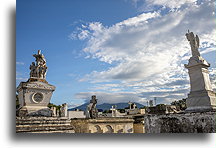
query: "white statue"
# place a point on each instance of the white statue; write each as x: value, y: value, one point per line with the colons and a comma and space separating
x: 194, y: 43
x: 64, y: 109
x: 39, y: 69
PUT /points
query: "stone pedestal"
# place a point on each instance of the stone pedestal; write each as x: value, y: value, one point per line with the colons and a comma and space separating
x: 201, y: 96
x: 34, y: 98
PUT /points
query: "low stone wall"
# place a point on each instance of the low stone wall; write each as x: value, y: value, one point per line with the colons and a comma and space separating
x: 203, y: 122
x: 103, y: 125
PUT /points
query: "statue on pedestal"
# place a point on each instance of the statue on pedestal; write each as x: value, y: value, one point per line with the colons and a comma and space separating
x: 201, y: 96
x: 91, y: 111
x: 35, y: 94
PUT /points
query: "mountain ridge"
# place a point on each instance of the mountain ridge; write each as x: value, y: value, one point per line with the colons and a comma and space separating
x: 105, y: 106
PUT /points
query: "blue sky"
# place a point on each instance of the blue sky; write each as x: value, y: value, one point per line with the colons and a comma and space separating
x: 126, y: 50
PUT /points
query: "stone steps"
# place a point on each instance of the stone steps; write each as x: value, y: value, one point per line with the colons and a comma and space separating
x: 53, y: 132
x: 41, y: 122
x: 43, y: 125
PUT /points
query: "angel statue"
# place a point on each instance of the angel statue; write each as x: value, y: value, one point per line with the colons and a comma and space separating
x: 194, y: 43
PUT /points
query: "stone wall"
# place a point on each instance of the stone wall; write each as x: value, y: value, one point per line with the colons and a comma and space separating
x: 103, y: 125
x: 81, y: 125
x: 203, y: 122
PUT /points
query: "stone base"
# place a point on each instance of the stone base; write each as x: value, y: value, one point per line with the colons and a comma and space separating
x: 32, y: 79
x: 34, y: 111
x: 201, y: 101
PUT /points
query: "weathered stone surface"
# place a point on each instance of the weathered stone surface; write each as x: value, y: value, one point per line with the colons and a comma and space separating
x: 202, y: 122
x: 35, y: 112
x: 43, y: 125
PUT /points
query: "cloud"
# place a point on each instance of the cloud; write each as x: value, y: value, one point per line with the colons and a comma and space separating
x: 21, y: 79
x: 147, y: 53
x: 142, y: 98
x: 171, y: 3
x: 212, y: 75
x: 19, y: 63
x: 111, y: 97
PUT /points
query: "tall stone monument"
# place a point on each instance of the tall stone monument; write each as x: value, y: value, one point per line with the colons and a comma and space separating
x: 35, y: 94
x: 201, y: 96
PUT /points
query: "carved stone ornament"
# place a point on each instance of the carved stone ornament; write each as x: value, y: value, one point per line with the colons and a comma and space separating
x: 37, y: 97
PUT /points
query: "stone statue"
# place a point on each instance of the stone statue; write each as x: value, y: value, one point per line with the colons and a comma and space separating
x: 33, y: 68
x: 63, y: 110
x: 39, y: 69
x: 91, y: 111
x: 194, y: 43
x: 40, y: 60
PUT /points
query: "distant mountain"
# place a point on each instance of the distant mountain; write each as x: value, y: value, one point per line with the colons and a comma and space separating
x: 105, y: 106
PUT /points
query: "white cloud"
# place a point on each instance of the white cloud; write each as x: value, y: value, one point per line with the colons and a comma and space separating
x: 171, y: 3
x: 212, y: 75
x: 142, y: 98
x: 111, y: 97
x: 138, y: 20
x: 147, y: 52
x: 163, y: 5
x: 21, y: 79
x: 19, y: 63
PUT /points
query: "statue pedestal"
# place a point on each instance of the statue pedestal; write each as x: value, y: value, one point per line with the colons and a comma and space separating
x: 201, y: 97
x: 34, y: 98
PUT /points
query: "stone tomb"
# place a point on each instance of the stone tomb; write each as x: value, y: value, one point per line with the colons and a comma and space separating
x: 35, y: 94
x: 34, y: 98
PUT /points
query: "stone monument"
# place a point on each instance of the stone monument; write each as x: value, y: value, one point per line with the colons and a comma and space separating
x: 91, y: 111
x: 35, y: 94
x: 201, y: 96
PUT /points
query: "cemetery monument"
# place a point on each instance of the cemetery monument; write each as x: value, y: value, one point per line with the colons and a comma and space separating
x: 201, y: 96
x: 35, y: 94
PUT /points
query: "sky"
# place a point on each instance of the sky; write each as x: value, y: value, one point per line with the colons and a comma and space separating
x: 125, y: 50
